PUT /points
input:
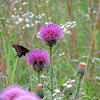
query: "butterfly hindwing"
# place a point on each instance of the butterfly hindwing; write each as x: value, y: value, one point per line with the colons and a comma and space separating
x: 20, y: 50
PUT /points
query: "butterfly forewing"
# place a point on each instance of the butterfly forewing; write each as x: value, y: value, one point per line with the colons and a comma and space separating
x: 20, y: 50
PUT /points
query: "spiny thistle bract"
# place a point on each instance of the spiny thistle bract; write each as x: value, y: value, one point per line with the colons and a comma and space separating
x: 38, y: 59
x: 50, y: 33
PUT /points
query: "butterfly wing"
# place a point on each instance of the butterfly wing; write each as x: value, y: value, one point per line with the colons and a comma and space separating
x: 20, y: 50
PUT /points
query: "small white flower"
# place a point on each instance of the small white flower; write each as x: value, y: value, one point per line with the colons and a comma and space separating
x: 36, y: 22
x: 38, y: 35
x: 47, y: 1
x: 96, y: 59
x: 94, y: 12
x: 74, y: 22
x: 54, y: 94
x: 57, y: 90
x: 69, y: 23
x: 20, y: 19
x: 69, y: 85
x: 46, y: 23
x: 49, y: 17
x: 97, y: 78
x: 31, y: 16
x: 39, y: 5
x: 65, y: 84
x: 54, y: 99
x: 23, y: 27
x: 17, y: 22
x: 16, y: 2
x: 68, y: 32
x: 27, y: 20
x: 61, y: 54
x: 14, y: 9
x: 39, y: 16
x: 32, y: 24
x: 43, y: 14
x: 62, y: 26
x: 17, y: 16
x: 39, y: 21
x: 13, y: 16
x: 73, y: 80
x: 64, y: 29
x: 27, y: 25
x: 59, y: 97
x: 83, y: 93
x: 43, y: 76
x: 20, y: 8
x: 24, y: 3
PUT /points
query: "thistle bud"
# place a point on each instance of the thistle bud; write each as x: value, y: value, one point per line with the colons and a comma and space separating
x: 40, y: 91
x: 81, y: 69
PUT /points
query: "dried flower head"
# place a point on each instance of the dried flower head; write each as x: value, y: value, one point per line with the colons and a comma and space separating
x: 50, y: 33
x: 40, y: 86
x: 11, y: 92
x: 81, y: 69
x: 82, y: 65
x: 38, y: 59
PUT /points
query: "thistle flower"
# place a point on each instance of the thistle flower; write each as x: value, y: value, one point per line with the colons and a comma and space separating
x: 28, y: 96
x: 40, y: 91
x: 81, y: 69
x: 50, y: 33
x: 38, y: 59
x: 11, y: 92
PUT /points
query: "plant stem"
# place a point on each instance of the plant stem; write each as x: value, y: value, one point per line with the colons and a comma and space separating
x: 51, y: 70
x: 38, y: 77
x: 79, y: 83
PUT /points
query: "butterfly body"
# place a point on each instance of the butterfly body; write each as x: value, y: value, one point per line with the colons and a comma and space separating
x: 20, y: 50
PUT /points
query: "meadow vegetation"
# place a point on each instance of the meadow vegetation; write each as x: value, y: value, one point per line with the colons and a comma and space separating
x: 20, y: 21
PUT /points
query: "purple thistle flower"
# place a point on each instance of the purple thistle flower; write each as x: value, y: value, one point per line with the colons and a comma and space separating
x: 11, y: 92
x: 29, y: 96
x: 50, y: 33
x: 38, y: 58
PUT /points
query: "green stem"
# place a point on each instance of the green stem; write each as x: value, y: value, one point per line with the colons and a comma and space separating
x: 79, y: 83
x: 51, y: 71
x: 38, y: 77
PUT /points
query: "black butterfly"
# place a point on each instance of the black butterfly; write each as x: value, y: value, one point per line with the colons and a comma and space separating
x: 20, y: 50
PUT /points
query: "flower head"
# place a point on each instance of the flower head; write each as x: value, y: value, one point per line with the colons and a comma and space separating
x: 82, y: 65
x: 81, y: 69
x: 50, y: 33
x: 39, y: 86
x: 69, y: 83
x: 29, y: 96
x: 40, y: 91
x: 11, y: 92
x: 38, y: 58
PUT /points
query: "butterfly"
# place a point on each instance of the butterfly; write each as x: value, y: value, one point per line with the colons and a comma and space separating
x: 20, y: 50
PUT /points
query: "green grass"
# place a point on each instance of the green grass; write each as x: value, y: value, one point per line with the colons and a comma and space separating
x: 75, y: 46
